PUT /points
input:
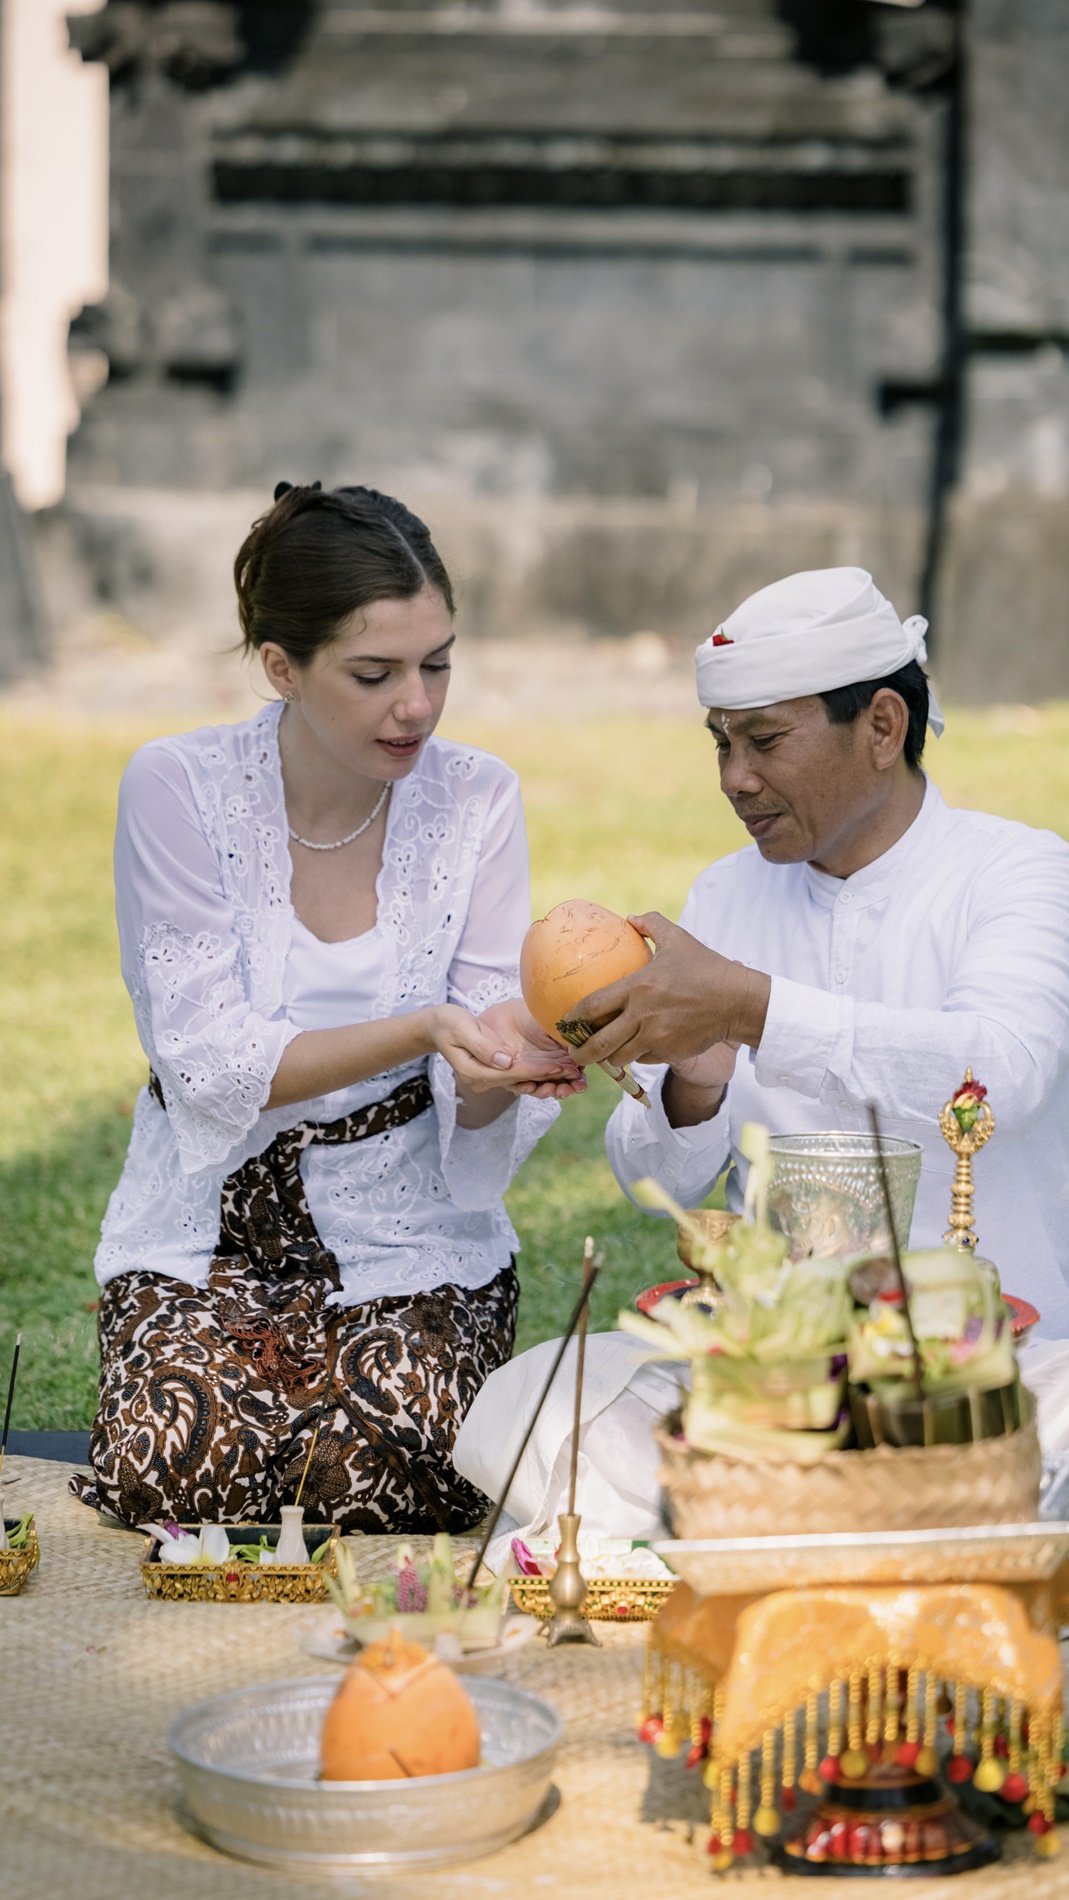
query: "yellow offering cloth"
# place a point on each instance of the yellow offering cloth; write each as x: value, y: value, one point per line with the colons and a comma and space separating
x: 770, y: 1652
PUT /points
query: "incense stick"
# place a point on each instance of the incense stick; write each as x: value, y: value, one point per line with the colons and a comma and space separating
x: 10, y: 1398
x: 918, y: 1374
x: 500, y: 1505
x: 580, y: 1357
x: 319, y: 1414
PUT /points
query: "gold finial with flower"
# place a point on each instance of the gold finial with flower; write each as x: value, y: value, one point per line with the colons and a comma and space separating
x: 965, y: 1123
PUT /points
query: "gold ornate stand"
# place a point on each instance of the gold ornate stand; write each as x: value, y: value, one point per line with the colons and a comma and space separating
x: 567, y: 1589
x: 964, y: 1143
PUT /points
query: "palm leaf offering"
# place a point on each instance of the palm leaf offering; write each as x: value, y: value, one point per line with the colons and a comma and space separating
x: 962, y: 1325
x: 782, y: 1344
x: 768, y: 1357
x: 18, y: 1535
x: 422, y: 1599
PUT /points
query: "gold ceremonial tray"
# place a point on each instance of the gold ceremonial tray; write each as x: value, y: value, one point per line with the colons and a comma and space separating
x: 240, y: 1582
x: 981, y: 1553
x: 16, y: 1565
x: 607, y: 1600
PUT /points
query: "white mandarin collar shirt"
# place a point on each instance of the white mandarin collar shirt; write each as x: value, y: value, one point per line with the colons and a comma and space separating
x: 949, y: 951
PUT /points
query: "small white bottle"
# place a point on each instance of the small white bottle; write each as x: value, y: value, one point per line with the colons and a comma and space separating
x: 291, y: 1548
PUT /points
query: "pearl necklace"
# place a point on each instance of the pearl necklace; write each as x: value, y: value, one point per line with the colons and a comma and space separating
x: 310, y: 844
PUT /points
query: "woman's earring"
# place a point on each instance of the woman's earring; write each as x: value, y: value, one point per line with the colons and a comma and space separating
x: 289, y: 698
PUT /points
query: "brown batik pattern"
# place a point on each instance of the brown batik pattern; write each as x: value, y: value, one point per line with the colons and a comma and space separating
x: 208, y: 1398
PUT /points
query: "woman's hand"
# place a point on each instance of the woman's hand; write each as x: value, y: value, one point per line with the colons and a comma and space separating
x: 531, y: 1049
x: 492, y: 1052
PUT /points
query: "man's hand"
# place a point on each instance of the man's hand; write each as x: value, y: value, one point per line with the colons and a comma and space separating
x: 684, y: 1001
x: 693, y: 1090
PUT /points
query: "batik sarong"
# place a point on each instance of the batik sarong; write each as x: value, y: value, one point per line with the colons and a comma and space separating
x: 209, y: 1398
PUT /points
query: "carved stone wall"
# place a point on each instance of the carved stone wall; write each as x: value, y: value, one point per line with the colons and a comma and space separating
x: 537, y: 265
x: 1006, y: 584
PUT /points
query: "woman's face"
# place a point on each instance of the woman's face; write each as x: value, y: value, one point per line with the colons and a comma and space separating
x: 374, y: 695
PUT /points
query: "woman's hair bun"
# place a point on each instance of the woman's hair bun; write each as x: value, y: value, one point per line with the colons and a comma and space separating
x: 317, y: 558
x: 283, y: 488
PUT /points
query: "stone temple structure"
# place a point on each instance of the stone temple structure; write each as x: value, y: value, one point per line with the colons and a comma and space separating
x: 641, y: 302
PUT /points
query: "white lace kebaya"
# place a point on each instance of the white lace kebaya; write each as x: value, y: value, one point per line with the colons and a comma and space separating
x: 223, y: 976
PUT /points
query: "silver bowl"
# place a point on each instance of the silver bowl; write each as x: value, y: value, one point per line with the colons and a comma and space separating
x: 249, y: 1765
x: 826, y: 1196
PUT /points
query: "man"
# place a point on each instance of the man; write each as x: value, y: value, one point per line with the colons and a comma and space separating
x: 868, y: 946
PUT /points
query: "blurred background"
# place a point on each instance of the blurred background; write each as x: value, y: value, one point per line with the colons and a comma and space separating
x: 641, y: 304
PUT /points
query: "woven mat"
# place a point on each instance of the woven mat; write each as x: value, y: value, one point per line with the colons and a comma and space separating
x: 92, y: 1673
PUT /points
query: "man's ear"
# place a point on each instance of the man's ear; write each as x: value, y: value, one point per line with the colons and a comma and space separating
x: 888, y: 721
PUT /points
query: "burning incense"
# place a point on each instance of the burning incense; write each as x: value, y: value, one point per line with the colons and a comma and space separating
x: 567, y: 1587
x: 918, y: 1369
x: 577, y: 1313
x: 331, y: 1370
x: 580, y: 1357
x: 10, y: 1399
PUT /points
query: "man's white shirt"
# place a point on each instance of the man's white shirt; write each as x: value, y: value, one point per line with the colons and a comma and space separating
x: 950, y: 950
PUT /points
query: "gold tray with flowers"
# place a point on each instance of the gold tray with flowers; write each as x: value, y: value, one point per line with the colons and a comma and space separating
x: 22, y: 1556
x: 625, y: 1581
x: 240, y: 1576
x: 607, y: 1600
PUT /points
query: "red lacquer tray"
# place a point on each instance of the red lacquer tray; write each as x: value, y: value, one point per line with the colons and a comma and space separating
x: 1025, y: 1315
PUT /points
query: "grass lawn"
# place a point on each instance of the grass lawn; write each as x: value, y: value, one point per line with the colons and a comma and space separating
x: 624, y: 811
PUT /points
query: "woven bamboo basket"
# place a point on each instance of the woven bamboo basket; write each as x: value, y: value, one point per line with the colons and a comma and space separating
x: 17, y: 1565
x: 892, y: 1488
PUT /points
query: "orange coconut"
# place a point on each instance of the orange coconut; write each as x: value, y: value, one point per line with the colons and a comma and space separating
x: 578, y: 947
x: 399, y: 1712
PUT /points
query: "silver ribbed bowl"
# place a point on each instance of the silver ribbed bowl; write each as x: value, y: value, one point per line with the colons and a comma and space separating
x: 249, y: 1764
x: 826, y: 1195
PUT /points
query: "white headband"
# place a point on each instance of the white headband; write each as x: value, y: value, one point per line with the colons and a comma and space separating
x: 809, y: 634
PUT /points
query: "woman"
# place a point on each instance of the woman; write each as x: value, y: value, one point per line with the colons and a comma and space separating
x: 320, y: 914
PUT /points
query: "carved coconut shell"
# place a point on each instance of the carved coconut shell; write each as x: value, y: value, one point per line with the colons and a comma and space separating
x: 399, y: 1712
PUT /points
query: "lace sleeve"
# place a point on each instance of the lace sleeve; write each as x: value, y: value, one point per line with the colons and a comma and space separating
x: 184, y: 963
x: 479, y: 1163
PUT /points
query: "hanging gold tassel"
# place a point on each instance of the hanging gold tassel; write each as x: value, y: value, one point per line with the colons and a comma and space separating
x: 766, y: 1820
x: 670, y: 1740
x: 989, y: 1773
x: 907, y: 1751
x: 711, y: 1771
x: 928, y: 1760
x: 1015, y: 1786
x: 892, y: 1704
x: 743, y: 1841
x: 809, y: 1780
x: 874, y: 1715
x: 854, y: 1761
x: 720, y: 1846
x: 701, y: 1727
x: 789, y: 1773
x: 1048, y: 1775
x: 831, y: 1766
x: 959, y: 1767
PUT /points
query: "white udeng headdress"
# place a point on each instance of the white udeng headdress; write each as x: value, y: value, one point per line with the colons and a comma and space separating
x: 809, y: 634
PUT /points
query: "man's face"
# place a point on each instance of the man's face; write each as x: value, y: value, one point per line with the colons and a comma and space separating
x: 801, y: 786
